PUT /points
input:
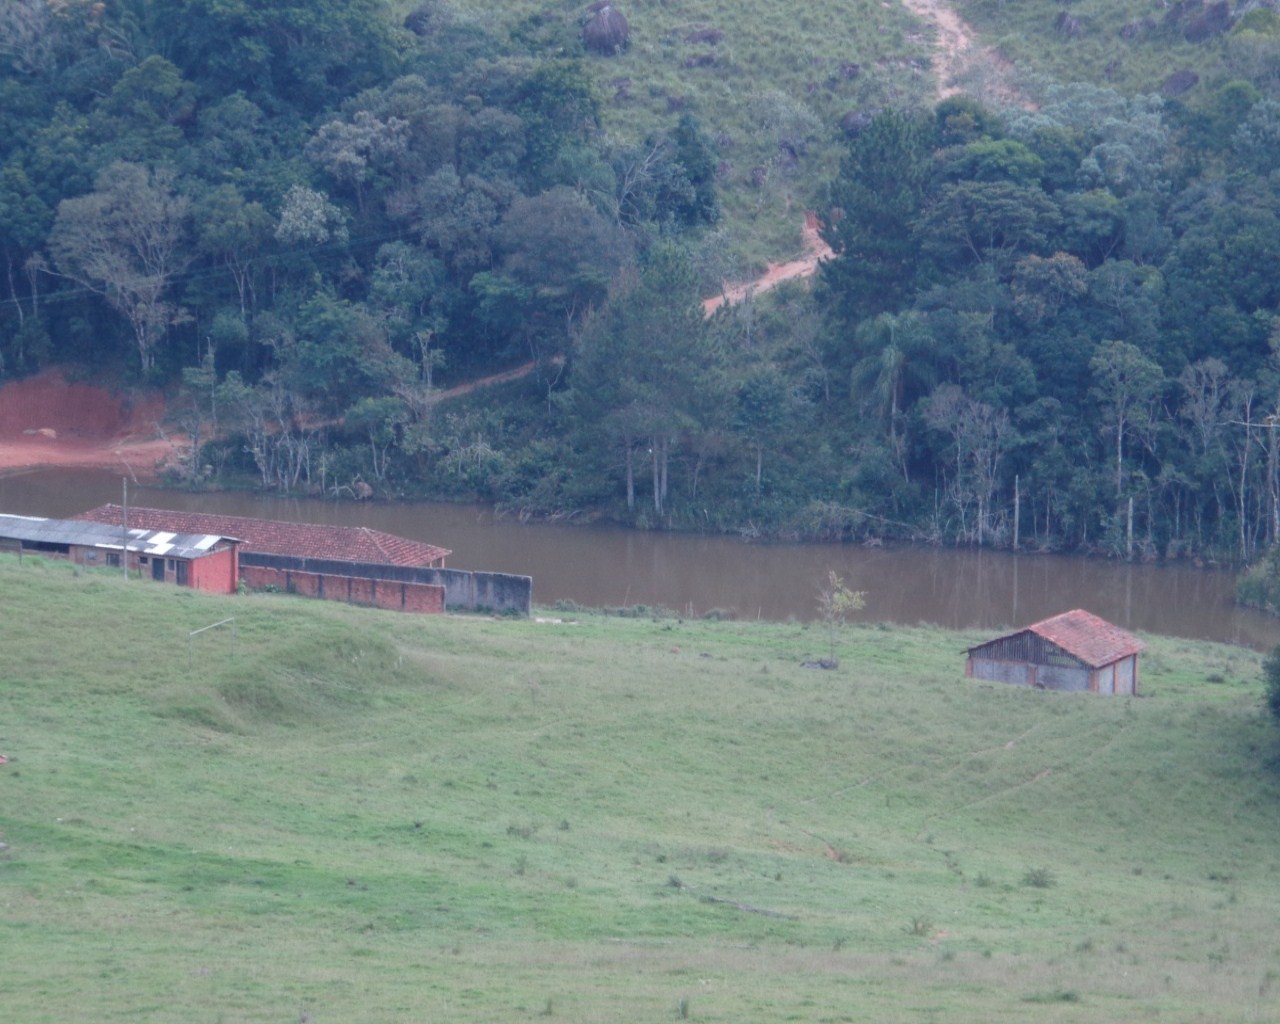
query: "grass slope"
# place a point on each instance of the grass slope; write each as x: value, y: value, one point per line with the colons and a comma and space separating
x: 1129, y: 45
x: 361, y: 816
x: 774, y: 72
x: 757, y: 73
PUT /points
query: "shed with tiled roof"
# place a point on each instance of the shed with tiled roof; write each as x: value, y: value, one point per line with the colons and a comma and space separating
x: 1076, y: 650
x: 276, y: 537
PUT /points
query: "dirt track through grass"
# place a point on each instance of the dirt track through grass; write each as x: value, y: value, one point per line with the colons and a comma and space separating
x: 951, y: 47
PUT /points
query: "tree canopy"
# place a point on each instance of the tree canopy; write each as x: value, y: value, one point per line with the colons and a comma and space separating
x: 1052, y: 326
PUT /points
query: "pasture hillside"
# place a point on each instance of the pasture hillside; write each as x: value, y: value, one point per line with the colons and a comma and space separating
x: 346, y: 815
x: 772, y: 83
x: 1134, y: 46
x: 769, y: 84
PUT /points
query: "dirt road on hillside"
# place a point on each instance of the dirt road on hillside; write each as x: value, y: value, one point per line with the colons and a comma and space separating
x: 953, y: 43
x: 954, y: 55
x: 805, y: 265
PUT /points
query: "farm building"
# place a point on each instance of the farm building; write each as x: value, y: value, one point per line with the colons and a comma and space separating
x: 344, y: 563
x: 1072, y: 651
x: 276, y: 537
x: 202, y: 561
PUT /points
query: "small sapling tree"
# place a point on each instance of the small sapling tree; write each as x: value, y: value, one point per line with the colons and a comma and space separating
x: 1271, y: 676
x: 835, y: 603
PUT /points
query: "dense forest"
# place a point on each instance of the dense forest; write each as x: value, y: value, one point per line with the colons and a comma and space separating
x: 1049, y: 324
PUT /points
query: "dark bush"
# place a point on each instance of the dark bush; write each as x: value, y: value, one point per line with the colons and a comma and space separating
x: 709, y: 36
x: 1271, y: 676
x: 1179, y: 82
x: 425, y: 19
x: 1067, y: 24
x: 855, y: 122
x: 1215, y: 20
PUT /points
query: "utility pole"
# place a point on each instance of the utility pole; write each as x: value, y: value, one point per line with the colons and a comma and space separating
x: 1128, y: 543
x: 1017, y: 510
x: 124, y: 527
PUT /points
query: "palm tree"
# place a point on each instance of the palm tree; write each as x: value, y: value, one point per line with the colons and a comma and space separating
x: 896, y: 365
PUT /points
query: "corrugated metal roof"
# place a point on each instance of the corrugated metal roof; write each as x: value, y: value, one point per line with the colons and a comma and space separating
x: 101, y: 535
x: 273, y: 536
x: 1093, y: 640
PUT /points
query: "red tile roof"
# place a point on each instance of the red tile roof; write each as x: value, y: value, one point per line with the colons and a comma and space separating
x: 272, y: 536
x: 1094, y: 641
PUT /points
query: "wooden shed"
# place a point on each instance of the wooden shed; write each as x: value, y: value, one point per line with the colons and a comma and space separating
x: 1072, y: 651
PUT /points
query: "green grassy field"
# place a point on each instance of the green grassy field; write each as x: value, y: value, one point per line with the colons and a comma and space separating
x: 363, y: 816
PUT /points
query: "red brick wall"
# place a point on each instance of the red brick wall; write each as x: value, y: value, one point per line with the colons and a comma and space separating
x: 215, y: 572
x: 259, y: 579
x: 79, y: 555
x: 360, y: 591
x: 305, y: 583
x: 422, y: 598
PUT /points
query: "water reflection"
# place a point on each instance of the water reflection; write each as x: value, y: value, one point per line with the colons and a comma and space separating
x: 601, y: 566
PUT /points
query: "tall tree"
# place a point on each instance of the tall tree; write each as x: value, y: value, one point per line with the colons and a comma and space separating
x: 560, y: 108
x: 27, y: 36
x: 896, y: 369
x: 354, y: 152
x: 1127, y: 384
x: 558, y: 257
x: 144, y: 117
x: 24, y: 221
x: 981, y: 222
x: 1206, y: 410
x: 872, y: 207
x: 234, y: 232
x: 765, y: 407
x: 296, y: 54
x: 126, y: 241
x: 645, y: 365
x: 980, y: 436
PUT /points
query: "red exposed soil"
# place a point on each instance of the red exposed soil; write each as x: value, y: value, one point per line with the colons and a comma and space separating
x: 47, y: 420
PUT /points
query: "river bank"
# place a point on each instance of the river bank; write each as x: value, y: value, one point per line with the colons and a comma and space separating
x: 102, y: 438
x: 700, y: 575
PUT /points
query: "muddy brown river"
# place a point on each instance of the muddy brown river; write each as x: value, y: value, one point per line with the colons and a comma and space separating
x: 603, y: 566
